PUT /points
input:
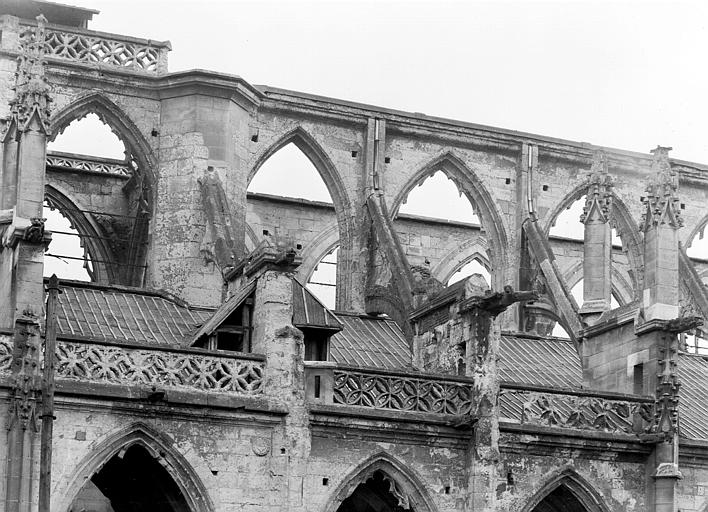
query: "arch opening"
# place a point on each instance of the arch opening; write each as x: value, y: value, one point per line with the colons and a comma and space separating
x: 68, y: 256
x: 376, y: 494
x: 100, y: 138
x: 698, y: 245
x: 474, y: 266
x: 439, y: 197
x: 131, y: 481
x: 489, y: 222
x: 89, y: 136
x: 567, y: 224
x: 561, y: 499
x: 323, y: 280
x: 289, y: 172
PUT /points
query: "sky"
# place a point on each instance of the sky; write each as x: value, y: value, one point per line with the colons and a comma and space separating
x: 622, y: 74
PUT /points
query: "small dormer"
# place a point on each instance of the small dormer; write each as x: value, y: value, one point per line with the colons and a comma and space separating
x: 231, y: 326
x: 317, y: 323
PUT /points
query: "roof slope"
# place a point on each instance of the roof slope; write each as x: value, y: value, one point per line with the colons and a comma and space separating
x: 308, y: 310
x: 541, y: 361
x: 693, y: 396
x: 370, y: 341
x: 104, y: 314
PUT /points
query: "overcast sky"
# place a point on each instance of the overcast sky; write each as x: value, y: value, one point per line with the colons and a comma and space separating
x: 623, y: 74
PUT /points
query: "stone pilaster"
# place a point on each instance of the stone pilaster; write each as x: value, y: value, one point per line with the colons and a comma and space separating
x: 22, y: 244
x: 479, y: 309
x: 597, y: 249
x: 22, y: 423
x: 660, y: 224
x: 283, y: 345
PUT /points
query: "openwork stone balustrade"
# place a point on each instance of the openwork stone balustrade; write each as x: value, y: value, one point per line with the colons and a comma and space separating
x: 168, y: 368
x: 69, y: 162
x: 106, y: 49
x: 388, y: 390
x: 585, y: 412
x: 5, y: 354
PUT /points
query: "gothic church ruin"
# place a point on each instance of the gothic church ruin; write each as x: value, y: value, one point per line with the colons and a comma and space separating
x: 200, y: 366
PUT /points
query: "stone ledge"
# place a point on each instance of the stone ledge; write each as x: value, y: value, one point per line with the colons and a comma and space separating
x: 550, y: 438
x: 385, y: 425
x: 149, y: 396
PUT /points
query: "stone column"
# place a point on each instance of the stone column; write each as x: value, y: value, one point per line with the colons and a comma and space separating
x: 597, y: 249
x: 660, y: 223
x: 479, y: 309
x: 22, y: 263
x: 273, y: 267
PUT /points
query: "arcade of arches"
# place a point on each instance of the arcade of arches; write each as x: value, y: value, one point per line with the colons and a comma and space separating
x: 272, y: 301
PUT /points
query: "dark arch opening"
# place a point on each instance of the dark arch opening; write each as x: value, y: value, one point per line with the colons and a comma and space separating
x: 376, y: 494
x: 131, y: 481
x: 560, y: 500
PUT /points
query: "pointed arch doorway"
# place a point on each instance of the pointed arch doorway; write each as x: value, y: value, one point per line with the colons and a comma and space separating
x: 560, y: 500
x: 376, y: 494
x: 131, y: 481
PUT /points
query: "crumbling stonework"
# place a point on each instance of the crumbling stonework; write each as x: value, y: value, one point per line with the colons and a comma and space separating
x: 185, y: 354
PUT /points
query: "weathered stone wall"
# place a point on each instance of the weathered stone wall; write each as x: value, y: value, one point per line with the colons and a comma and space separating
x: 217, y: 446
x: 693, y: 487
x: 618, y: 479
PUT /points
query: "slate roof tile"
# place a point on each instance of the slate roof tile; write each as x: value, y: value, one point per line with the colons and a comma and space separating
x: 102, y: 313
x: 370, y: 341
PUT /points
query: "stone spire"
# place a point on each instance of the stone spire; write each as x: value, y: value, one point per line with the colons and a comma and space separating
x: 661, y: 201
x: 597, y: 257
x: 599, y: 198
x: 660, y: 222
x: 31, y: 87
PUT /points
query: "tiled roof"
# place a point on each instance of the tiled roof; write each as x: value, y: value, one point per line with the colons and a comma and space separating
x: 370, y: 341
x: 555, y: 363
x: 308, y: 311
x: 103, y: 313
x: 693, y: 396
x: 541, y: 361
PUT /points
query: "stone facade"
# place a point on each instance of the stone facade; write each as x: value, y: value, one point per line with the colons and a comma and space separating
x: 467, y: 404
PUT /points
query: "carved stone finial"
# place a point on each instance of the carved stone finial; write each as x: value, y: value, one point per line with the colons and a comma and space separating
x: 662, y: 203
x: 599, y: 198
x: 32, y: 90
